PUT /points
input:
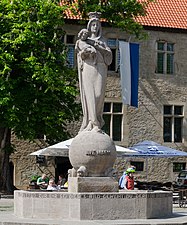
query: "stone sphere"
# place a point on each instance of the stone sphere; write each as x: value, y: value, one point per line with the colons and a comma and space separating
x: 94, y: 150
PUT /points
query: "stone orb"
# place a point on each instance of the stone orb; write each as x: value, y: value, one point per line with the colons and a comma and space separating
x: 94, y: 150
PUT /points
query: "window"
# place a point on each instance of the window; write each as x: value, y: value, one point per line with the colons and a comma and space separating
x: 41, y: 159
x: 139, y: 165
x: 113, y: 117
x: 177, y: 167
x: 165, y: 58
x: 113, y: 44
x: 70, y: 41
x: 173, y: 123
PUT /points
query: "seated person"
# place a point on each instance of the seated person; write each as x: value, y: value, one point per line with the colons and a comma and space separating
x: 52, y: 186
x: 42, y: 181
x: 61, y: 180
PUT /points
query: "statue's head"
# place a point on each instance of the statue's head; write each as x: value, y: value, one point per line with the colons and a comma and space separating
x: 83, y: 34
x: 94, y: 25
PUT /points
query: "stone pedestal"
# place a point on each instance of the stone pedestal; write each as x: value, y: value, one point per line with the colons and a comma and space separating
x: 93, y: 206
x: 92, y: 184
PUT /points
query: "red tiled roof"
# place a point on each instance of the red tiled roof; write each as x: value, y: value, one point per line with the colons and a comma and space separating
x: 68, y: 14
x: 160, y: 13
x: 166, y: 13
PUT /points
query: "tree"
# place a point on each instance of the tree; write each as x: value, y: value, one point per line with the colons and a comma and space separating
x: 37, y: 89
x: 117, y: 13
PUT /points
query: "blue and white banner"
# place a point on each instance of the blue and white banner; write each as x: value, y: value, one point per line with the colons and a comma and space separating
x: 129, y: 72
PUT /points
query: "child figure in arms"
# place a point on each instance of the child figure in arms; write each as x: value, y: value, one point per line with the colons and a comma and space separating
x: 85, y: 49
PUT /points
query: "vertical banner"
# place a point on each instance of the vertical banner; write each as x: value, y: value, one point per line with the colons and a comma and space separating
x: 129, y: 72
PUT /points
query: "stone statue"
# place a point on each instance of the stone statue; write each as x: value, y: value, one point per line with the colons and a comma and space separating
x: 93, y: 56
x: 92, y: 153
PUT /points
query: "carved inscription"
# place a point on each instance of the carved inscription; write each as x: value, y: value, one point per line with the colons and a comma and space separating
x: 94, y: 153
x: 59, y: 195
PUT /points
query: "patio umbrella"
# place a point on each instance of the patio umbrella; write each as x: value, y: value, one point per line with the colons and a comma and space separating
x: 153, y: 149
x: 59, y: 149
x: 62, y: 149
x: 148, y: 149
x: 122, y: 150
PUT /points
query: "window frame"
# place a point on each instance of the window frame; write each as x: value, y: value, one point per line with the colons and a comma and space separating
x: 117, y: 54
x: 71, y: 65
x: 180, y: 164
x: 134, y: 163
x: 173, y: 116
x: 112, y: 114
x: 166, y: 53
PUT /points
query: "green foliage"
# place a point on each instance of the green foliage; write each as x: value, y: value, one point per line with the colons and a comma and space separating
x: 118, y: 13
x: 37, y: 89
x: 34, y: 178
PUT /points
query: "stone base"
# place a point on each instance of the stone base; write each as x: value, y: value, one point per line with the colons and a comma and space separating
x: 93, y: 206
x: 92, y: 184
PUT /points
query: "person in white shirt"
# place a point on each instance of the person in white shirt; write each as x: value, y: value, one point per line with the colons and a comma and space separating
x: 52, y: 186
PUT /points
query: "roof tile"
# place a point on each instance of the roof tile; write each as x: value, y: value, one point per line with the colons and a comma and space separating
x: 161, y: 13
x: 166, y: 13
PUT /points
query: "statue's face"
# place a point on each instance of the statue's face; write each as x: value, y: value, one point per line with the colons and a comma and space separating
x: 84, y: 35
x: 95, y: 27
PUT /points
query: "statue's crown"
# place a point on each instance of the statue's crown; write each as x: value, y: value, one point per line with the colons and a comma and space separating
x: 93, y: 15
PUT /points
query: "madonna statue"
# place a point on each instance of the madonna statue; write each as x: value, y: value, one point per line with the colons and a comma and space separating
x: 93, y: 57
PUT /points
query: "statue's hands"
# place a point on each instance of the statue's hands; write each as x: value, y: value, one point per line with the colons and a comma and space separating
x: 99, y: 44
x: 87, y: 52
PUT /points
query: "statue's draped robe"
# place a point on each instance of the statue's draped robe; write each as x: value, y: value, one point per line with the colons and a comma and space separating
x: 92, y: 69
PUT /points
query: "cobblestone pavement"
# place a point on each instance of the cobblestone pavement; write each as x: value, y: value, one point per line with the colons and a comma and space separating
x: 7, y: 217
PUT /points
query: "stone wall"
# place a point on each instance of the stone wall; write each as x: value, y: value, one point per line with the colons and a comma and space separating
x: 25, y: 165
